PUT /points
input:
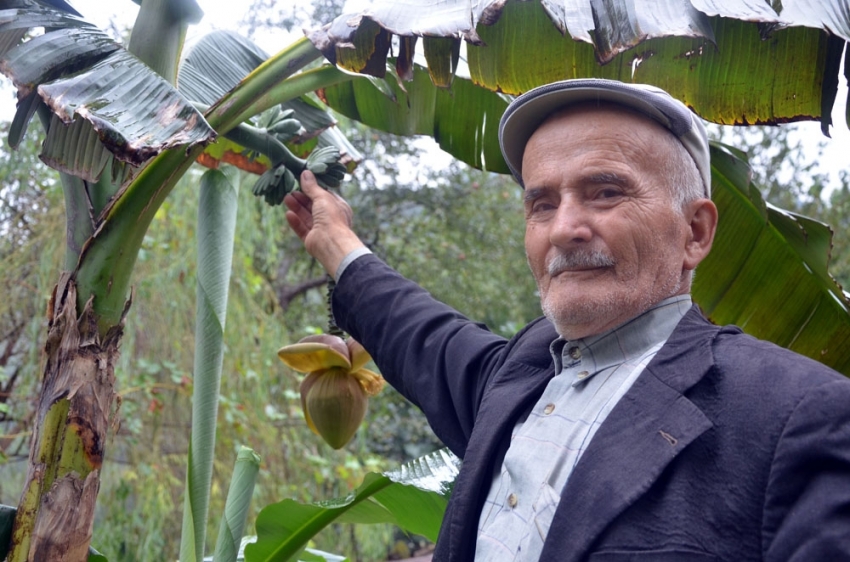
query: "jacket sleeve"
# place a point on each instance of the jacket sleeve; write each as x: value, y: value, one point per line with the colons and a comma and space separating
x: 807, y: 505
x: 432, y: 354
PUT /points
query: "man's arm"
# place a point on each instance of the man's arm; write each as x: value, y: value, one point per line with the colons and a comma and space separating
x: 807, y: 511
x: 431, y: 353
x: 323, y: 222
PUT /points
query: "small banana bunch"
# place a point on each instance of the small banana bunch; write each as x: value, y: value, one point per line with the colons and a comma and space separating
x: 282, y: 177
x: 324, y: 163
x: 336, y: 390
x: 274, y: 184
x: 281, y: 124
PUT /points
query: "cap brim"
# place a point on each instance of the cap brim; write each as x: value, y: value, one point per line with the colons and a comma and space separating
x: 518, y: 125
x: 527, y: 112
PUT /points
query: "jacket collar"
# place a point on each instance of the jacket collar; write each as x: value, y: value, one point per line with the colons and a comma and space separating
x: 645, y: 431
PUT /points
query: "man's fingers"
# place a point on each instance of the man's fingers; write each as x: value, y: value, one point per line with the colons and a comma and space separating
x: 297, y: 224
x: 297, y: 200
x: 299, y: 214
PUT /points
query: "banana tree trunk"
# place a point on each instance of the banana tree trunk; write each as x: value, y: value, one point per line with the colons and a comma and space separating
x: 75, y: 409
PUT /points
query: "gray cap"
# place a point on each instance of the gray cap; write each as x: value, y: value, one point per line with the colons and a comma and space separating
x: 527, y: 112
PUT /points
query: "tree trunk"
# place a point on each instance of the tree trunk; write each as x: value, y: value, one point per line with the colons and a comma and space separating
x: 75, y: 410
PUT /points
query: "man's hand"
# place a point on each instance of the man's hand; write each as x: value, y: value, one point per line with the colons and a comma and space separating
x: 323, y: 222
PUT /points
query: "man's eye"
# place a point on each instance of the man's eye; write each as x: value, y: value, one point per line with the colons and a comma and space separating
x: 541, y: 207
x: 608, y: 193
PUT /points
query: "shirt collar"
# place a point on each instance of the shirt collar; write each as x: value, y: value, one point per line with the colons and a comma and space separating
x: 624, y: 343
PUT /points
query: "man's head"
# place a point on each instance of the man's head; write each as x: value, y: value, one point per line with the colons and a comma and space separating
x: 616, y: 210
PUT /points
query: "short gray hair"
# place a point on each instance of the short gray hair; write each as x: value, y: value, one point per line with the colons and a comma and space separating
x: 684, y: 180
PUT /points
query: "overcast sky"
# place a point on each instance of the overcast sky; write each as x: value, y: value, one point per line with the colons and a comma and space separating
x: 221, y: 14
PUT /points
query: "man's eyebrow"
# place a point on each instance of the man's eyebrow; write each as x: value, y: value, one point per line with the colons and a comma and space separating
x: 607, y: 177
x: 533, y: 193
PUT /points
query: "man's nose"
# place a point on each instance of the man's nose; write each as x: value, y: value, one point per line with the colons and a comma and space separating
x: 571, y: 225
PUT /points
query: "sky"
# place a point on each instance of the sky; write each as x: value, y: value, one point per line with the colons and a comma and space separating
x: 221, y: 14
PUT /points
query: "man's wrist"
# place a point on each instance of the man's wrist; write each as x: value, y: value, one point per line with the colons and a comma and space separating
x: 349, y: 259
x: 331, y: 253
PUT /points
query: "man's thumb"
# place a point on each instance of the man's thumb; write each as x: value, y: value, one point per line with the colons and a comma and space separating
x: 309, y: 185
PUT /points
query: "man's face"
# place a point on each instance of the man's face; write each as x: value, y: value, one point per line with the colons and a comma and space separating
x: 603, y: 237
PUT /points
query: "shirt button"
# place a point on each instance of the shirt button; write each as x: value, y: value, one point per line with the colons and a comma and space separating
x: 582, y: 375
x: 549, y: 409
x: 512, y: 500
x: 575, y: 353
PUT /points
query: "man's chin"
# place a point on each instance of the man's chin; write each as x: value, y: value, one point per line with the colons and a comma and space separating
x: 580, y: 319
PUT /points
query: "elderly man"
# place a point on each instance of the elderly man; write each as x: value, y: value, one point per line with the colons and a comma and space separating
x: 622, y: 425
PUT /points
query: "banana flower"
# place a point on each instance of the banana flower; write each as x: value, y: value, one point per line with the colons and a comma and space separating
x: 336, y: 390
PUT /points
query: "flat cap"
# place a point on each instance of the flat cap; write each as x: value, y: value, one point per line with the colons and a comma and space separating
x: 527, y: 112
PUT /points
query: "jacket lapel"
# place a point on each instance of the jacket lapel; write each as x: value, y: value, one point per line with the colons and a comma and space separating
x: 510, y: 397
x: 645, y: 431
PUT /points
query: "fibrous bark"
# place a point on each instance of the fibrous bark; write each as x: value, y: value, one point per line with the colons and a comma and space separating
x: 75, y: 411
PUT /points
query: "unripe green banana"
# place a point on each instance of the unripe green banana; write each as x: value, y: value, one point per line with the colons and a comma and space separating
x: 274, y: 184
x: 317, y: 167
x: 272, y: 116
x: 286, y: 128
x: 262, y: 183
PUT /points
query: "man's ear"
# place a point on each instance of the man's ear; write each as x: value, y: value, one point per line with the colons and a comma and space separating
x: 703, y: 223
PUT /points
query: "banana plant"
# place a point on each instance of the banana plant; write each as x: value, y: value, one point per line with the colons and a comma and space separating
x: 121, y: 136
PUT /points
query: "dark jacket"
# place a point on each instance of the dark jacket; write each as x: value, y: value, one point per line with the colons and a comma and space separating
x: 725, y: 448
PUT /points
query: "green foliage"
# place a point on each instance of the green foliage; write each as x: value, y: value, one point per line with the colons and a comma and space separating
x: 414, y: 497
x: 216, y: 225
x: 788, y: 173
x: 236, y: 506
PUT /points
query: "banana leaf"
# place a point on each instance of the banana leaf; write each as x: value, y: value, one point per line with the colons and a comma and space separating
x: 221, y: 60
x: 414, y: 497
x: 216, y: 227
x: 82, y: 74
x: 767, y: 271
x: 732, y: 61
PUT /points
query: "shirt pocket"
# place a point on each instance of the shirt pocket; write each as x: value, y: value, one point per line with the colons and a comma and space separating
x: 543, y: 510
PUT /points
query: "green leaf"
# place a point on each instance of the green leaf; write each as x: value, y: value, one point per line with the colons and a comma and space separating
x: 414, y: 497
x: 219, y: 62
x: 442, y: 55
x: 729, y: 68
x: 767, y: 272
x: 216, y: 227
x: 464, y: 120
x: 236, y: 505
x: 80, y: 73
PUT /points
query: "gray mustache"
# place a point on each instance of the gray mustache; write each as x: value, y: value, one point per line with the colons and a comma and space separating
x: 579, y: 259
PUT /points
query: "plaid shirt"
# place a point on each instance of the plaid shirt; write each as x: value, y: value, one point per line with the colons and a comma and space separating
x: 593, y: 374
